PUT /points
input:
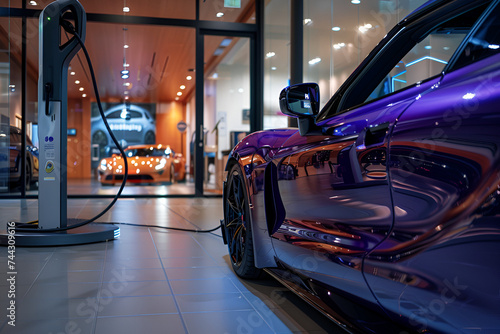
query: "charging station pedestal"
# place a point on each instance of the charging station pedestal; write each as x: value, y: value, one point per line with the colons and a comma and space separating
x: 54, y: 59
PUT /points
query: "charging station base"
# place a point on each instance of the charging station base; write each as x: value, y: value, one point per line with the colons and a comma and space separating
x: 86, y: 234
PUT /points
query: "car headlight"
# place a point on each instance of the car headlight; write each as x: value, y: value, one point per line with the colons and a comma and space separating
x: 103, y: 164
x: 161, y: 164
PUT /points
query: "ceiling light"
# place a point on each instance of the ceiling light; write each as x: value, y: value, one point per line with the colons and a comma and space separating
x: 365, y: 28
x: 270, y: 54
x: 126, y: 9
x: 240, y: 90
x: 125, y: 74
x: 126, y: 65
x: 338, y: 46
x: 189, y: 77
x: 126, y: 84
x: 494, y: 46
x: 219, y: 14
x: 33, y: 3
x: 72, y: 73
x: 336, y: 28
x: 274, y: 68
x: 182, y: 87
x: 125, y: 46
x: 126, y: 97
x: 77, y: 82
x: 125, y: 92
x: 314, y: 61
x: 81, y: 89
x: 84, y: 95
x: 177, y: 98
x: 307, y: 22
x: 179, y: 93
x: 428, y: 47
x: 356, y: 2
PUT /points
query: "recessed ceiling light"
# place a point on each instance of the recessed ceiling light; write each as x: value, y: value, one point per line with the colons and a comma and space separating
x: 270, y: 54
x: 126, y: 84
x: 77, y: 82
x: 240, y: 90
x: 314, y: 61
x: 219, y: 14
x: 125, y: 46
x: 182, y: 87
x: 126, y: 97
x: 126, y: 9
x: 307, y: 22
x: 125, y: 74
x: 126, y: 65
x: 81, y: 89
x: 336, y: 28
x: 84, y: 95
x: 189, y: 77
x: 274, y: 68
x: 72, y: 73
x: 364, y: 28
x: 179, y: 93
x: 33, y: 3
x: 356, y: 2
x: 428, y: 47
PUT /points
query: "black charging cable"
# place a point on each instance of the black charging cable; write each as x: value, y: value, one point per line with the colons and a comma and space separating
x: 30, y: 227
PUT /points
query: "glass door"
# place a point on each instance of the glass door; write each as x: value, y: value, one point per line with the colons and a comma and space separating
x: 227, y: 107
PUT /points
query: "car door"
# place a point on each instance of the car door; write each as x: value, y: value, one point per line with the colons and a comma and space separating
x: 335, y: 188
x: 439, y: 267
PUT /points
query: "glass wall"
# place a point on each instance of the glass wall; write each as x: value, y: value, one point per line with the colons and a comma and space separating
x: 338, y: 35
x: 145, y: 70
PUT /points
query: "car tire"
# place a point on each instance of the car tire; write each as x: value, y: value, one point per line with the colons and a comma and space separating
x: 237, y: 226
x: 99, y: 137
x: 150, y: 138
x: 172, y: 174
x: 27, y: 176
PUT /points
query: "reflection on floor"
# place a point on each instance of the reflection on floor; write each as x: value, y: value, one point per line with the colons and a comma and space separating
x: 148, y: 281
x: 94, y: 187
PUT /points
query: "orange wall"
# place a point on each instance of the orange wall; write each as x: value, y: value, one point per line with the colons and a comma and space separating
x: 167, y: 117
x: 79, y: 146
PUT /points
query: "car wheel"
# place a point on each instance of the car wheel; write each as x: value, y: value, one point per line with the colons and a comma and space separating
x: 150, y: 138
x: 27, y: 176
x: 172, y: 173
x: 99, y: 137
x: 237, y: 225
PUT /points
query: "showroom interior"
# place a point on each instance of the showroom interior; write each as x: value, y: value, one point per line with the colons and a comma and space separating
x: 192, y: 78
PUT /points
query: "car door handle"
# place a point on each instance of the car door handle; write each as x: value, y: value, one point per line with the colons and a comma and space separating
x: 372, y: 136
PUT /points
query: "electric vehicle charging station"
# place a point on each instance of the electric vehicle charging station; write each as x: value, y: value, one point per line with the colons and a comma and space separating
x: 54, y: 59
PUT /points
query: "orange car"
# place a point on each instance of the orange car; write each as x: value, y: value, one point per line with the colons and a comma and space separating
x: 146, y: 164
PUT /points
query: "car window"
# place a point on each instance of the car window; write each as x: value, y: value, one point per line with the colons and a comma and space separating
x: 428, y: 58
x: 484, y: 43
x: 135, y: 114
x: 114, y: 114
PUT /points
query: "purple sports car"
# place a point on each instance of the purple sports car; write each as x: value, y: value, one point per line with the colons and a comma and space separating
x: 382, y: 209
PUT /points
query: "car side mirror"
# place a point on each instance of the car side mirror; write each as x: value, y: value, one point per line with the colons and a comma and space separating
x: 300, y: 100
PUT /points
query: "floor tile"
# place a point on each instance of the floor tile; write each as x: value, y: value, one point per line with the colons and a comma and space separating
x: 226, y: 322
x: 191, y: 286
x: 163, y: 323
x: 212, y: 302
x: 119, y: 306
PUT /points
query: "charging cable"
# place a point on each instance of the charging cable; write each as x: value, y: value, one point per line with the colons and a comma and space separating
x: 69, y: 28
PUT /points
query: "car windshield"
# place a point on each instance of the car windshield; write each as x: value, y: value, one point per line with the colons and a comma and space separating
x: 148, y: 152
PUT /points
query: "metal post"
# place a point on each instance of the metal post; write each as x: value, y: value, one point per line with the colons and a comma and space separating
x: 296, y: 47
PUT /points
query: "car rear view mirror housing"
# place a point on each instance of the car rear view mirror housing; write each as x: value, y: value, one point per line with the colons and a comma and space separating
x: 300, y: 100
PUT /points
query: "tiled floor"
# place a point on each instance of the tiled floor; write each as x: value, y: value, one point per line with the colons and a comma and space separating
x: 149, y: 281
